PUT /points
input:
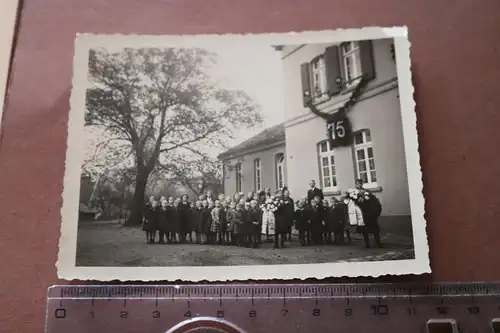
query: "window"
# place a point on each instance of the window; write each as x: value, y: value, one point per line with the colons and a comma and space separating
x: 280, y: 170
x: 339, y: 67
x: 327, y: 164
x: 365, y: 160
x: 239, y: 177
x: 257, y: 175
x: 351, y: 61
x: 318, y: 78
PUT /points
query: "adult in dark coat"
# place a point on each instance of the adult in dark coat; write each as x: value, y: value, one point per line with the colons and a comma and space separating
x: 313, y: 192
x: 371, y: 209
x: 281, y: 228
x: 288, y: 212
x: 184, y: 224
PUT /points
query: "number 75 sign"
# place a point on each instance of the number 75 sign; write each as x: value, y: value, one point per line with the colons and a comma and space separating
x: 339, y: 130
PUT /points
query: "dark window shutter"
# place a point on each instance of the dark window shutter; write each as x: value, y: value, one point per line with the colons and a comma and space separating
x: 333, y: 72
x: 305, y: 74
x: 367, y: 62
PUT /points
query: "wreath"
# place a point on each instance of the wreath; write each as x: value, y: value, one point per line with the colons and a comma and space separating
x: 353, y: 99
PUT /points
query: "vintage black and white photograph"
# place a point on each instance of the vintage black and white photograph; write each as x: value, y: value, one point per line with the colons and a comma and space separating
x: 231, y: 157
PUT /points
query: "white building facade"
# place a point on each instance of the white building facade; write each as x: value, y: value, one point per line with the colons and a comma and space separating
x: 325, y: 75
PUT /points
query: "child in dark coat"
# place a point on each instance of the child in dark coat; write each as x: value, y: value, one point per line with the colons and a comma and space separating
x: 255, y: 217
x: 341, y: 225
x: 175, y: 228
x: 330, y: 222
x: 184, y: 225
x: 215, y: 226
x: 289, y: 208
x: 205, y: 221
x: 302, y: 223
x: 193, y: 222
x: 230, y: 218
x: 197, y: 222
x: 150, y: 224
x: 163, y: 221
x: 223, y: 222
x: 247, y: 224
x: 317, y: 223
x: 238, y: 226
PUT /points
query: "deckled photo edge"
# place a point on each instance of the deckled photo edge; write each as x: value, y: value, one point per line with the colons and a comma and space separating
x: 201, y: 40
x: 242, y: 273
x: 74, y: 157
x: 410, y: 135
x: 66, y: 265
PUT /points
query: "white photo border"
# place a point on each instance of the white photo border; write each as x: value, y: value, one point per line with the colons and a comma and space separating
x: 8, y: 17
x: 66, y: 264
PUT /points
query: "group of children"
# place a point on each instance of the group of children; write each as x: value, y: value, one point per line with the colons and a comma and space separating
x: 223, y: 221
x: 322, y: 222
x: 238, y: 221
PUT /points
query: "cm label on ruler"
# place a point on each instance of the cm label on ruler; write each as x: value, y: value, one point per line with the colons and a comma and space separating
x: 290, y: 307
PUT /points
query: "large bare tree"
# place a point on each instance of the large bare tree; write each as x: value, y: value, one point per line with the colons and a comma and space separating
x: 152, y: 103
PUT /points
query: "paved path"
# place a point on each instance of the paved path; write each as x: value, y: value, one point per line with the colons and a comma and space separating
x: 109, y: 244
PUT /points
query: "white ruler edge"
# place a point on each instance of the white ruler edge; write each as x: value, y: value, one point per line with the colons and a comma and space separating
x: 8, y: 14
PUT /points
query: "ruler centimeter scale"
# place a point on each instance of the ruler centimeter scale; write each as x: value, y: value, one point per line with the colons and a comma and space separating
x: 259, y: 308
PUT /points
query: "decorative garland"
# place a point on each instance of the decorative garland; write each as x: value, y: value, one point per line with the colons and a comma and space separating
x: 353, y: 99
x: 338, y: 126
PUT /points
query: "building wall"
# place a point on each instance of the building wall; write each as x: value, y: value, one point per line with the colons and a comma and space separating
x: 379, y: 112
x: 296, y: 55
x: 268, y: 169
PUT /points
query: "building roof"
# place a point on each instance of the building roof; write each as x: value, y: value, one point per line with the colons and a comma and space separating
x: 267, y: 136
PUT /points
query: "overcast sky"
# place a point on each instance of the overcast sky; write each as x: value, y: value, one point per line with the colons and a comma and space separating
x: 257, y: 70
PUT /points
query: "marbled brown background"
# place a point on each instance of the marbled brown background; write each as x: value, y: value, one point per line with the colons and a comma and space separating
x: 456, y: 70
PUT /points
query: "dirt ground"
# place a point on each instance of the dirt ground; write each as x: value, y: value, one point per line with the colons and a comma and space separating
x: 110, y: 244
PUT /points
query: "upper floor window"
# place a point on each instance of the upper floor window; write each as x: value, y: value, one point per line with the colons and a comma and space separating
x: 280, y: 170
x: 339, y: 67
x: 257, y: 174
x: 239, y: 178
x: 318, y: 76
x: 327, y: 166
x: 365, y: 159
x: 351, y: 61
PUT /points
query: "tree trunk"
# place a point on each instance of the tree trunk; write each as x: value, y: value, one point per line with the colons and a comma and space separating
x: 137, y: 204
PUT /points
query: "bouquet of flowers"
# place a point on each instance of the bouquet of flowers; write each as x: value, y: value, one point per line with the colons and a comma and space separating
x: 358, y: 196
x: 271, y: 205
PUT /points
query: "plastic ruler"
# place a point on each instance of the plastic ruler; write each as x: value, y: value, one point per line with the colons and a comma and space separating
x: 259, y: 308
